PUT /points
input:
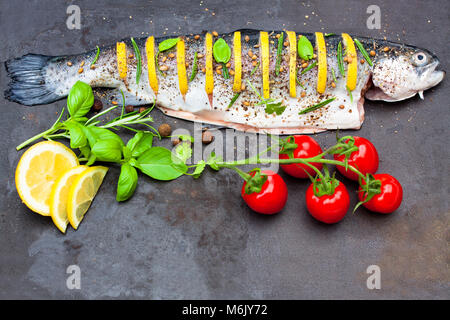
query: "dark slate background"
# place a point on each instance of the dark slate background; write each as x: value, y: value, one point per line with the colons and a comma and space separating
x: 197, y: 239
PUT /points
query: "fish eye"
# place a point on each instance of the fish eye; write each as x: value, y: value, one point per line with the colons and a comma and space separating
x: 420, y: 59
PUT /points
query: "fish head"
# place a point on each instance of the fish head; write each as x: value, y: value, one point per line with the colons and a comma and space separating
x: 403, y: 73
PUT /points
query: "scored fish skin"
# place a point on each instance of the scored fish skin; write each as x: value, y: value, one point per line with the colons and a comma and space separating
x: 195, y: 105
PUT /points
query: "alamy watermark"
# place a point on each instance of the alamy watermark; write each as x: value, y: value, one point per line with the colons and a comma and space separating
x: 374, y: 20
x: 374, y: 280
x: 74, y: 19
x: 232, y: 145
x: 74, y: 279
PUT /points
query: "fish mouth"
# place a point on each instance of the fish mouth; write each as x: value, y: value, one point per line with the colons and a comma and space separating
x: 431, y: 77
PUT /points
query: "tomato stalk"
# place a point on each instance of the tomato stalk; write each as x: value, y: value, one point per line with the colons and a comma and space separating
x: 323, y: 183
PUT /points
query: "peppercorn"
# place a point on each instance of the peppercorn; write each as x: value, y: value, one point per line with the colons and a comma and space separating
x: 165, y: 130
x: 98, y: 105
x: 176, y: 141
x: 207, y: 137
x: 142, y: 109
x: 129, y: 108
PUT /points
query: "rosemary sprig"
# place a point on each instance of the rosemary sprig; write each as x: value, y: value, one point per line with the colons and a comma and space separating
x: 340, y: 59
x: 233, y: 100
x: 138, y: 59
x: 317, y: 106
x: 225, y: 71
x: 157, y: 64
x: 96, y: 56
x: 279, y: 52
x: 270, y: 105
x: 334, y: 75
x: 329, y: 34
x: 363, y: 52
x: 254, y: 69
x: 298, y: 81
x: 350, y: 94
x: 194, y: 68
x: 312, y: 65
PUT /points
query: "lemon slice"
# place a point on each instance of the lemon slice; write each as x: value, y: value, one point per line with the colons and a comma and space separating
x: 59, y: 195
x: 37, y: 171
x: 265, y: 62
x: 292, y: 63
x: 181, y: 67
x: 121, y: 55
x: 352, y: 69
x: 151, y: 65
x: 82, y: 192
x: 322, y: 61
x: 237, y: 62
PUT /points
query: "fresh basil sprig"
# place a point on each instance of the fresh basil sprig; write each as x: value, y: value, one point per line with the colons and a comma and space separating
x: 222, y: 54
x: 305, y: 48
x: 80, y: 99
x: 168, y: 44
x: 127, y: 183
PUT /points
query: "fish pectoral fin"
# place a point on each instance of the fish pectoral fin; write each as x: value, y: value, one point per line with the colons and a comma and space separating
x: 376, y: 94
x: 114, y: 96
x: 421, y: 95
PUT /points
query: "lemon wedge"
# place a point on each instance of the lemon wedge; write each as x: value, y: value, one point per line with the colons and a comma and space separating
x: 38, y: 169
x: 82, y: 193
x: 59, y: 195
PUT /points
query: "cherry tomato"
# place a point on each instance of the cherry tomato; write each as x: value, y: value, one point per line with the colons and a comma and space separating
x: 365, y: 159
x: 328, y: 208
x: 272, y: 197
x: 307, y: 148
x: 390, y: 197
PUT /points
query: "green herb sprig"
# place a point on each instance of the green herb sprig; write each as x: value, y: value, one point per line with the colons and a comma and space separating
x: 279, y: 54
x: 270, y: 105
x: 363, y: 52
x: 312, y: 65
x: 194, y: 68
x: 96, y: 56
x: 317, y: 106
x: 340, y: 59
x: 137, y: 54
x: 222, y: 54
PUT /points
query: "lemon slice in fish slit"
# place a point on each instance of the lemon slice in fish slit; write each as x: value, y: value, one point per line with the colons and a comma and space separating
x: 322, y: 61
x: 237, y: 83
x: 121, y: 53
x: 352, y: 65
x: 292, y: 63
x: 181, y: 67
x: 151, y: 65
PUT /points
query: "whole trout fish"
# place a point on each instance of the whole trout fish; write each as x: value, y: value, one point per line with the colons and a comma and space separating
x: 249, y: 80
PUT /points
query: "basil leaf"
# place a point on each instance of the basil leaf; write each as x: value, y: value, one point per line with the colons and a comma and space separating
x: 212, y: 161
x: 94, y: 134
x: 168, y: 44
x: 127, y: 182
x: 199, y: 169
x: 183, y: 151
x: 85, y: 151
x: 80, y: 99
x: 221, y: 51
x: 159, y: 163
x: 126, y: 153
x: 77, y: 136
x: 109, y: 150
x: 92, y: 158
x: 305, y: 48
x: 141, y: 142
x: 184, y: 137
x: 275, y: 107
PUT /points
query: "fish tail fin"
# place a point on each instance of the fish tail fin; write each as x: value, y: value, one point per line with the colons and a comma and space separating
x: 28, y: 84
